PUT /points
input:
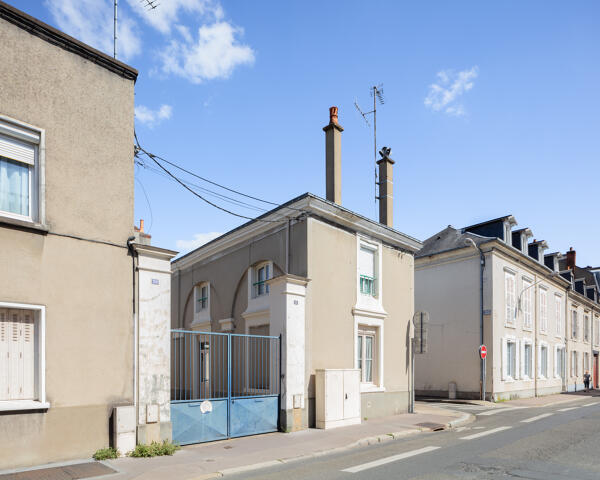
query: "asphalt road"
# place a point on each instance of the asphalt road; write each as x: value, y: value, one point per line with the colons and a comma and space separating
x: 547, y: 443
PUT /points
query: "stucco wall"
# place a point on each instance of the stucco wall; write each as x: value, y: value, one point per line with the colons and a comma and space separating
x: 330, y: 327
x: 87, y: 114
x: 448, y: 288
x: 227, y: 274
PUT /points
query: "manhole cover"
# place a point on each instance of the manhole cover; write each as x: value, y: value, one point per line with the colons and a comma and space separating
x: 68, y: 472
x: 432, y: 426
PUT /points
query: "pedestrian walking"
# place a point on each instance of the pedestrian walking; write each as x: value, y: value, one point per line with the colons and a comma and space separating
x: 586, y: 381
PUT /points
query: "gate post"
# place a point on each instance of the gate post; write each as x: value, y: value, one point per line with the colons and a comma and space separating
x: 288, y: 319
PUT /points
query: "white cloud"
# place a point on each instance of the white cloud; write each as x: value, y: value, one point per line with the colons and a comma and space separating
x: 198, y: 240
x: 91, y: 21
x: 153, y: 117
x: 214, y: 54
x: 444, y: 95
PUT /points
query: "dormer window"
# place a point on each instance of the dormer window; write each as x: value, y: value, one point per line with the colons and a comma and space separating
x: 261, y: 274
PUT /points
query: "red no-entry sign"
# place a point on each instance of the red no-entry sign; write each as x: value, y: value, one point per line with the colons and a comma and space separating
x: 483, y: 351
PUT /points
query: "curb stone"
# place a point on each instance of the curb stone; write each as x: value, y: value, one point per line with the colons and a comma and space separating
x: 363, y: 442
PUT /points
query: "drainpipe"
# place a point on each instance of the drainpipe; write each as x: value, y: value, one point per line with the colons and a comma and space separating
x: 535, y: 341
x: 470, y: 242
x: 131, y: 249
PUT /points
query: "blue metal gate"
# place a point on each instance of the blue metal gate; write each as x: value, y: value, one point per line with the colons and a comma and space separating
x: 223, y: 385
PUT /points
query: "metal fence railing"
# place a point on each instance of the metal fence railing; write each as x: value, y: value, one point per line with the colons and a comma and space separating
x: 212, y: 366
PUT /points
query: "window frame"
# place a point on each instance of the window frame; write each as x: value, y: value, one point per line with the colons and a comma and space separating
x: 34, y: 136
x: 574, y: 324
x: 558, y: 313
x: 544, y: 355
x: 543, y: 310
x: 511, y: 360
x: 365, y: 332
x: 527, y: 302
x: 267, y: 267
x: 39, y: 313
x: 586, y: 327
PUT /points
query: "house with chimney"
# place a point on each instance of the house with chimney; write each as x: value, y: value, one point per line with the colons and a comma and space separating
x: 336, y: 288
x: 490, y: 284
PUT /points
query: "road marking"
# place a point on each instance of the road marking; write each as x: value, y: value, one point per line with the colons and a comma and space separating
x: 460, y: 429
x: 500, y: 410
x: 393, y: 458
x: 483, y: 434
x: 566, y: 409
x: 590, y: 404
x: 539, y: 417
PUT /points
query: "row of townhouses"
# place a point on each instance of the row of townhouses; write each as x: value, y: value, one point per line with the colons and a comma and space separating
x: 537, y: 313
x: 297, y: 319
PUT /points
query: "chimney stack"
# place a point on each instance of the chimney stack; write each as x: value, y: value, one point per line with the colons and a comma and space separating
x: 141, y: 225
x: 333, y: 158
x: 571, y: 259
x: 386, y: 187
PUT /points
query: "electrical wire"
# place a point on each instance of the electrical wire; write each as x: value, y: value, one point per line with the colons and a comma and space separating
x: 148, y: 202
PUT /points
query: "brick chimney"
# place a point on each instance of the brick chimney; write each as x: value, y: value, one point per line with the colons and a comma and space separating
x: 386, y: 187
x: 571, y: 259
x: 333, y: 158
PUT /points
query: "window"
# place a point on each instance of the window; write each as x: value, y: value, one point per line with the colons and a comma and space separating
x: 543, y: 310
x: 574, y: 325
x: 22, y: 352
x: 527, y: 360
x: 597, y: 331
x: 559, y: 361
x: 19, y: 171
x: 586, y: 362
x: 559, y: 314
x: 366, y: 271
x: 544, y: 361
x: 573, y: 364
x: 365, y: 349
x: 509, y: 296
x: 586, y: 328
x: 511, y: 359
x: 262, y: 273
x: 202, y: 297
x: 527, y: 303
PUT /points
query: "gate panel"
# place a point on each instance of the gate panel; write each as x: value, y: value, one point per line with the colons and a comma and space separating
x: 223, y: 385
x: 250, y: 416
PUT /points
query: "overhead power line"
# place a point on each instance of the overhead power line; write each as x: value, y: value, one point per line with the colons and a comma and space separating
x: 156, y: 158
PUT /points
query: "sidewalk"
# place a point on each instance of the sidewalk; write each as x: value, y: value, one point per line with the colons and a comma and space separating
x: 212, y: 460
x: 548, y: 400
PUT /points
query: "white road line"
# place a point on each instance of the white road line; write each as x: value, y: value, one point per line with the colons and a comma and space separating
x: 500, y: 410
x: 590, y: 404
x: 483, y: 434
x: 393, y: 458
x: 566, y: 409
x: 539, y: 417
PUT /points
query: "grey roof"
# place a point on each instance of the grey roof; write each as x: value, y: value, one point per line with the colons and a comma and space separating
x: 449, y: 239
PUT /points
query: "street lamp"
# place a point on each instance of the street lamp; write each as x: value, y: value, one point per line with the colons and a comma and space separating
x: 471, y: 243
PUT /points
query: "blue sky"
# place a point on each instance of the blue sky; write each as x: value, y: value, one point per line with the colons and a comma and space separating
x: 492, y: 108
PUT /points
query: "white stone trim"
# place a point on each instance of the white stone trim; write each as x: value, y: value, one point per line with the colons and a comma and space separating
x: 377, y: 323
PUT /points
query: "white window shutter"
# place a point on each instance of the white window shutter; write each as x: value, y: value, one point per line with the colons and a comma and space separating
x: 17, y: 150
x: 15, y: 366
x: 539, y: 361
x: 504, y: 360
x: 518, y: 361
x: 366, y: 262
x: 4, y: 350
x: 28, y: 354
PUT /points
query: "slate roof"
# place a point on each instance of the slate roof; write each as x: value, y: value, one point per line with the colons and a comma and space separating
x: 449, y: 239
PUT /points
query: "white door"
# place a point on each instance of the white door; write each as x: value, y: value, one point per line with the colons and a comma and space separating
x: 352, y: 394
x: 17, y: 348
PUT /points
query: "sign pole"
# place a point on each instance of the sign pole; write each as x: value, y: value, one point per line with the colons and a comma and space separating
x: 484, y: 372
x: 412, y: 376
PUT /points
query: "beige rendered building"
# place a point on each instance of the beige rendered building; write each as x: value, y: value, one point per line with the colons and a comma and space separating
x: 337, y: 287
x: 526, y: 301
x: 66, y: 215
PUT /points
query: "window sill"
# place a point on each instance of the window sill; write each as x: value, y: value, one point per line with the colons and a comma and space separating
x: 510, y: 325
x: 527, y: 329
x: 369, y: 388
x: 24, y: 225
x: 18, y: 405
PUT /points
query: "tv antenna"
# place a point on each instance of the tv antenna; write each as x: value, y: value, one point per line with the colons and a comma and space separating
x: 377, y: 94
x: 147, y: 4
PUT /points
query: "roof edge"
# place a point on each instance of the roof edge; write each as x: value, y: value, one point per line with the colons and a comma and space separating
x: 56, y: 37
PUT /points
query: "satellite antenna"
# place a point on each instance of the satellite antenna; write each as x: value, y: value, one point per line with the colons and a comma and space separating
x: 148, y: 4
x: 377, y: 94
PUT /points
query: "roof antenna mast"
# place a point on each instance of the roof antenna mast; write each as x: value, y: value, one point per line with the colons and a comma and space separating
x: 377, y: 94
x: 148, y: 4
